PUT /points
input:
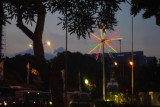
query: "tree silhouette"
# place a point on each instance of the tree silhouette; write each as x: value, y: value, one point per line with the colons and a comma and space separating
x: 150, y: 8
x: 81, y: 16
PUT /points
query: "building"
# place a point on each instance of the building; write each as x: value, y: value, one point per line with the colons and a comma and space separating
x: 125, y: 57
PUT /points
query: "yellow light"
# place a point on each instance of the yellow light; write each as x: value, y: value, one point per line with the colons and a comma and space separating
x: 14, y: 102
x: 115, y: 63
x: 94, y: 48
x: 48, y: 43
x: 30, y: 45
x: 34, y: 102
x: 28, y: 92
x: 50, y: 102
x: 110, y: 46
x: 114, y: 39
x: 116, y: 95
x: 38, y: 93
x: 5, y: 103
x: 86, y: 81
x: 98, y: 51
x: 107, y: 100
x: 95, y: 36
x: 131, y: 63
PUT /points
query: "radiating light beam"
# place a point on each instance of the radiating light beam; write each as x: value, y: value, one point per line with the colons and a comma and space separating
x: 113, y: 33
x: 104, y: 37
x: 94, y: 48
x: 98, y: 51
x: 95, y: 36
x: 111, y: 47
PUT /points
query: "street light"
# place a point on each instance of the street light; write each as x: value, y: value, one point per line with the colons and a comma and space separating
x: 86, y: 81
x: 48, y: 43
x: 115, y: 63
x: 131, y: 63
x: 132, y: 57
x: 30, y: 45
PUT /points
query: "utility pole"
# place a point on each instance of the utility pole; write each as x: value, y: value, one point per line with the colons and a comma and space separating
x: 66, y: 61
x: 132, y: 58
x: 103, y: 74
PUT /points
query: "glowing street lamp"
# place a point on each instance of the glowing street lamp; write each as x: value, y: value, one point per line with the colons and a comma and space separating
x: 115, y: 63
x: 30, y: 45
x: 86, y: 81
x: 48, y: 43
x: 131, y: 63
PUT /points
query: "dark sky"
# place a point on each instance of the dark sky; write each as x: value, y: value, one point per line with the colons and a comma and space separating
x: 146, y: 35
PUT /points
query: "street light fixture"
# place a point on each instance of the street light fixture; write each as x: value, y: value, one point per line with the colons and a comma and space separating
x: 48, y: 43
x: 30, y: 45
x: 115, y: 63
x: 86, y: 81
x: 131, y: 63
x: 132, y: 59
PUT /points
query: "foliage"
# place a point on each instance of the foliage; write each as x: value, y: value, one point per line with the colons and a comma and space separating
x: 82, y: 15
x: 146, y: 77
x: 150, y: 7
x: 38, y: 83
x: 87, y: 66
x: 77, y: 63
x: 15, y: 71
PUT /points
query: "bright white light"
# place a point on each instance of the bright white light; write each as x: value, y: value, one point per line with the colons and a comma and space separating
x: 86, y: 81
x: 131, y: 63
x: 5, y: 103
x: 50, y: 102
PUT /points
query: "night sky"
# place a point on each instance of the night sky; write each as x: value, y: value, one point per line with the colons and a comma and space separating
x: 145, y: 32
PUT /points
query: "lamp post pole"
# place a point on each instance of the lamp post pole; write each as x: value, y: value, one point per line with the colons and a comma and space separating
x: 120, y: 47
x: 103, y: 73
x: 120, y: 59
x: 132, y: 58
x: 66, y: 58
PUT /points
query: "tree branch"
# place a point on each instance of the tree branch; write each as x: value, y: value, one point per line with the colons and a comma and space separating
x: 27, y: 4
x: 20, y: 24
x: 40, y: 18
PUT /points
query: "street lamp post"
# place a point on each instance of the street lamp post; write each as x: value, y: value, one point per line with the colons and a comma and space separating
x: 120, y: 58
x: 103, y: 73
x: 66, y: 56
x: 120, y: 47
x: 132, y: 56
